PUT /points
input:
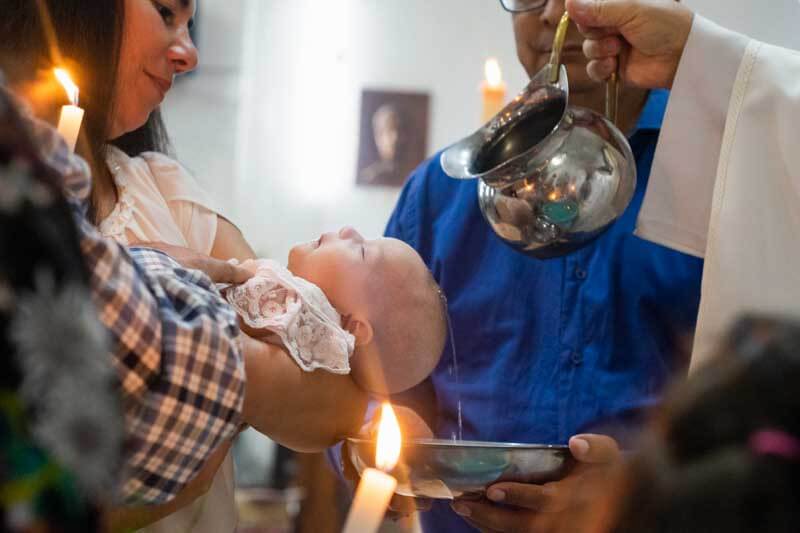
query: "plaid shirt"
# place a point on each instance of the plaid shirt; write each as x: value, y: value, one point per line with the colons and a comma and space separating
x: 175, y: 346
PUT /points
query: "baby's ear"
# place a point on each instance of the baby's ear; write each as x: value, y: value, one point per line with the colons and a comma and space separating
x: 359, y: 328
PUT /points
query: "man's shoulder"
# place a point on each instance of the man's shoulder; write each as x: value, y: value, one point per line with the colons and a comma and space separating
x: 430, y: 183
x: 429, y: 194
x: 429, y: 173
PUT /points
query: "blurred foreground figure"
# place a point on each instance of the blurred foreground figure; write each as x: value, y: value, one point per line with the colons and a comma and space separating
x: 725, y: 453
x: 60, y: 419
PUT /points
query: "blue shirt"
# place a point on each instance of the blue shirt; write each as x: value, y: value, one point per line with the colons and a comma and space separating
x: 548, y: 348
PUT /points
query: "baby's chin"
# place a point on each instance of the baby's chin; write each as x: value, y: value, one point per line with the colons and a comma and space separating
x: 294, y: 257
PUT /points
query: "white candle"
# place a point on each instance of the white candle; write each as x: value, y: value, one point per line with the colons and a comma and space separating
x: 69, y: 124
x: 369, y: 505
x: 493, y: 90
x: 376, y: 486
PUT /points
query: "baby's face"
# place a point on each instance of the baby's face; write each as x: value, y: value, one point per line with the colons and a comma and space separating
x: 343, y: 264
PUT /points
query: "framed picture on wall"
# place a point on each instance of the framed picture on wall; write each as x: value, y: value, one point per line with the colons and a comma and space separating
x: 393, y: 138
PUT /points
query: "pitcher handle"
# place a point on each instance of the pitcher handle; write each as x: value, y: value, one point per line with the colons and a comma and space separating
x: 612, y: 85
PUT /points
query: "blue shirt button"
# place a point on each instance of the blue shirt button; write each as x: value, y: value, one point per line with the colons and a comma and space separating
x: 581, y: 274
x: 577, y: 358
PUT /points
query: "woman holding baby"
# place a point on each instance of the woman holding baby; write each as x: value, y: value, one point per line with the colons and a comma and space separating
x: 332, y: 308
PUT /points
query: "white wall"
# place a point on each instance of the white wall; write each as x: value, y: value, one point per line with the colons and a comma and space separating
x: 771, y: 21
x: 269, y: 123
x: 307, y: 62
x: 202, y: 110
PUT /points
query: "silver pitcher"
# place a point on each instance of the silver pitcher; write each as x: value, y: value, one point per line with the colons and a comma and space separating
x: 551, y: 177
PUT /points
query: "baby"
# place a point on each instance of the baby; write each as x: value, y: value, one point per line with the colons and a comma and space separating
x: 346, y: 304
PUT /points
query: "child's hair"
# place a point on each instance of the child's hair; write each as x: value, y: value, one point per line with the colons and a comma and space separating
x: 725, y: 453
x: 410, y: 328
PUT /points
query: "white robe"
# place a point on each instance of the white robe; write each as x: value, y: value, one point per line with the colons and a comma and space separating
x: 725, y: 183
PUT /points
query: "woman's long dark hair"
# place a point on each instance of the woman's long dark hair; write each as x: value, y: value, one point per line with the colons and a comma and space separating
x: 88, y: 36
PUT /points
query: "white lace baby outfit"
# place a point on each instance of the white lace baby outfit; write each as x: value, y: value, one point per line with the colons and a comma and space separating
x: 295, y: 311
x: 160, y: 202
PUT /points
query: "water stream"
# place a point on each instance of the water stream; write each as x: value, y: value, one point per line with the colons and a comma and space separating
x: 454, y: 372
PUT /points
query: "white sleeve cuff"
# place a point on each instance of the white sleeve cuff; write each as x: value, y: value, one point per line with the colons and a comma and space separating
x: 677, y: 204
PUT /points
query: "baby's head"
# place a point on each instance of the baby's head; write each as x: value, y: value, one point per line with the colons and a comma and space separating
x: 389, y: 302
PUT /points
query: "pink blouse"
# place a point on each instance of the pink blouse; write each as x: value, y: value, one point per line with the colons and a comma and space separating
x: 159, y: 201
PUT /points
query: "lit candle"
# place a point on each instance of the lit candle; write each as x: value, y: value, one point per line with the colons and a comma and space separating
x: 376, y: 486
x: 69, y: 125
x: 493, y: 89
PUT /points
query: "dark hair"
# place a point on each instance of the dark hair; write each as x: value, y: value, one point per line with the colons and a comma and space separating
x: 699, y: 471
x: 88, y: 36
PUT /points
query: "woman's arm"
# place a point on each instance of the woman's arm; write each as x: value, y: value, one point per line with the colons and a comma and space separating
x: 304, y: 411
x: 229, y: 243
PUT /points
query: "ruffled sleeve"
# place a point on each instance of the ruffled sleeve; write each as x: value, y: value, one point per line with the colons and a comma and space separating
x: 191, y: 207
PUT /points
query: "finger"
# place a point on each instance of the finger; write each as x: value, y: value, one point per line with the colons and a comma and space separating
x: 494, y: 517
x: 602, y: 48
x: 478, y: 527
x: 601, y: 69
x: 528, y: 496
x: 537, y: 523
x: 239, y: 274
x: 599, y: 13
x: 423, y: 504
x: 402, y: 505
x: 223, y: 272
x: 591, y: 32
x: 594, y: 449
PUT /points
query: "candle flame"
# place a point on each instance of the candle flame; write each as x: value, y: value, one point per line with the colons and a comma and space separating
x: 69, y: 86
x: 387, y: 452
x: 494, y: 76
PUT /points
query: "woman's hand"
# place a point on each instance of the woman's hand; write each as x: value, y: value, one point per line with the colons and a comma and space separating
x: 218, y: 270
x: 644, y: 37
x: 518, y: 507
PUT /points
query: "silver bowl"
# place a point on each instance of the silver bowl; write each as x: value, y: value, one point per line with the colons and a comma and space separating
x: 444, y: 469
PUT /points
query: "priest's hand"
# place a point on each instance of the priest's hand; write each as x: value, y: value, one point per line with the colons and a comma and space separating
x: 645, y: 38
x: 558, y: 506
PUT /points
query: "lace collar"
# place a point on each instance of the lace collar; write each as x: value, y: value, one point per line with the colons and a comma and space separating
x: 120, y: 218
